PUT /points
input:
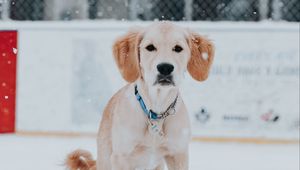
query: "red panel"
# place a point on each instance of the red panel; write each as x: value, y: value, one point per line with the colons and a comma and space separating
x: 8, y: 58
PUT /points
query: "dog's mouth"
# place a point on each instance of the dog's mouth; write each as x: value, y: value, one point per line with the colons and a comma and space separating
x: 164, y: 80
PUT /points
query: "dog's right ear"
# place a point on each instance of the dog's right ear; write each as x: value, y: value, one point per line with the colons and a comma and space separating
x: 126, y: 54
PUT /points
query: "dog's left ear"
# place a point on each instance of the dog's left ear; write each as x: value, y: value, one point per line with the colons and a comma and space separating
x: 126, y: 51
x: 202, y: 54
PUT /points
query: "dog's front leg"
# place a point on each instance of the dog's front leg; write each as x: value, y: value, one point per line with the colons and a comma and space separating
x: 178, y: 161
x: 120, y: 162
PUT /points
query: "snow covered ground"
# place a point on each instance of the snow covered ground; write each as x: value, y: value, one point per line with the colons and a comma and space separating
x: 48, y: 153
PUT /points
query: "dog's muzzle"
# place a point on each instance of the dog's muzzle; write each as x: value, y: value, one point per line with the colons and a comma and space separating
x: 164, y: 80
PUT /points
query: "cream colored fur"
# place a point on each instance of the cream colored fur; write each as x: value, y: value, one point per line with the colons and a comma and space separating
x: 124, y: 141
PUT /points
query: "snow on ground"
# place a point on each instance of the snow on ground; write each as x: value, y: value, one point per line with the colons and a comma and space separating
x: 48, y: 153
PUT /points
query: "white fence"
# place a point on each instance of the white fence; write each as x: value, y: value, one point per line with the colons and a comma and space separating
x: 66, y: 75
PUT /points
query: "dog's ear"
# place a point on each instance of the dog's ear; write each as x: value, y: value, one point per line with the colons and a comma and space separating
x: 126, y: 51
x: 202, y: 54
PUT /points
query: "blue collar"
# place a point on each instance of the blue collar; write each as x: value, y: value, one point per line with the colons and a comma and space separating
x: 150, y: 114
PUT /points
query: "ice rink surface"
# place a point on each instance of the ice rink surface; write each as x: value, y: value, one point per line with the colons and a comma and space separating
x: 48, y: 153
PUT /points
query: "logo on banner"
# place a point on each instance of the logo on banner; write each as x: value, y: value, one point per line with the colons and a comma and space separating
x: 270, y: 116
x: 235, y: 118
x: 202, y: 116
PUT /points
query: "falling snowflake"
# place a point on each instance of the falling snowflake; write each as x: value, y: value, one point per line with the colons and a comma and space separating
x: 15, y: 51
x: 109, y: 8
x: 100, y: 14
x: 205, y: 56
x: 5, y: 97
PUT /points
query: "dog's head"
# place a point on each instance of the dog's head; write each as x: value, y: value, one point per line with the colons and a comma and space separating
x: 160, y: 53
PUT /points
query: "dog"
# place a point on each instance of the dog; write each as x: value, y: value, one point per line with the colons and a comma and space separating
x: 145, y: 125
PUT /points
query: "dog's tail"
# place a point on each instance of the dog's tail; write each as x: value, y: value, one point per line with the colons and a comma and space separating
x: 80, y: 160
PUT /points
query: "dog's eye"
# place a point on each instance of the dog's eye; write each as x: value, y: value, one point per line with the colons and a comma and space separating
x: 150, y: 47
x: 177, y: 49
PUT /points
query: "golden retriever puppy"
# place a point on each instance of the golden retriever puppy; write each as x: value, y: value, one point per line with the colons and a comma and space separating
x: 146, y: 123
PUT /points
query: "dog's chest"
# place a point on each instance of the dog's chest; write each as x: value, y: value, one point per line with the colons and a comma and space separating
x: 151, y: 150
x: 148, y: 158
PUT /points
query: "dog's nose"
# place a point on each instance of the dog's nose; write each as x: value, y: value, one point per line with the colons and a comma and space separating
x: 165, y: 68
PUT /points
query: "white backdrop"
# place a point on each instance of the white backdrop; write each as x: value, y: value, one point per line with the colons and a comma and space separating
x: 66, y: 75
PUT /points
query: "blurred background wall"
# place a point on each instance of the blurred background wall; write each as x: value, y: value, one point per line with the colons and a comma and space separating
x: 66, y: 73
